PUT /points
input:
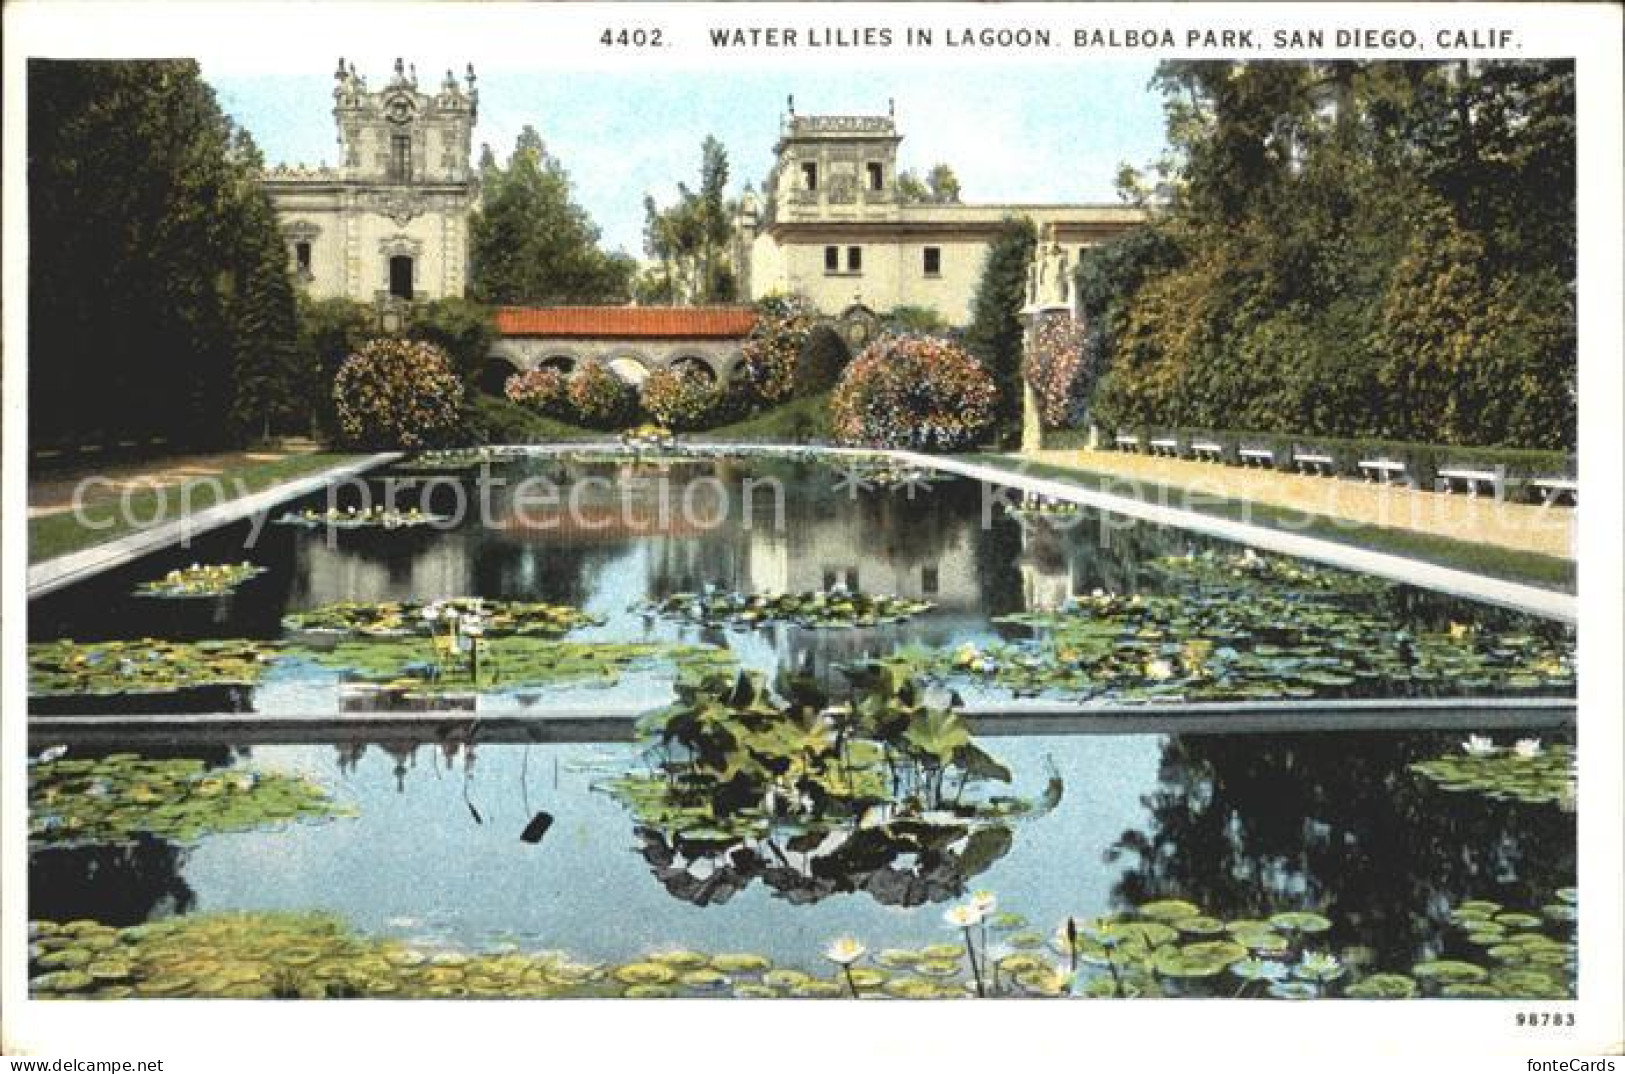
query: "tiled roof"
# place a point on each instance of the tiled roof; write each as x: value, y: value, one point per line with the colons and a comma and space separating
x: 626, y: 322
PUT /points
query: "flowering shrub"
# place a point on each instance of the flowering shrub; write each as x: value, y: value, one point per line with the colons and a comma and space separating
x: 541, y: 390
x: 913, y: 392
x: 1056, y: 371
x: 600, y: 399
x: 769, y: 356
x: 398, y: 393
x: 681, y: 398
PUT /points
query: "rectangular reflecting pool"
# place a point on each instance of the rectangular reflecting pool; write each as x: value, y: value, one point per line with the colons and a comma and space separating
x: 794, y: 796
x: 763, y: 564
x: 422, y: 849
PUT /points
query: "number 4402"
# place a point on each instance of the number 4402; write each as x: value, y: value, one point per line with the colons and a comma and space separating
x: 642, y: 37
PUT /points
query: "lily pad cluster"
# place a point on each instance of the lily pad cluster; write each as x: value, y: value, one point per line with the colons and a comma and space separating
x: 886, y: 794
x: 311, y: 956
x: 498, y: 618
x: 1526, y: 772
x: 1251, y: 643
x: 143, y: 666
x: 366, y: 518
x: 199, y: 580
x: 1231, y: 569
x: 117, y: 797
x: 1522, y: 954
x: 836, y: 607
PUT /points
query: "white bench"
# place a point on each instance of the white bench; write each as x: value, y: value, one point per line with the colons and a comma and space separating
x: 1258, y: 456
x: 1127, y: 442
x: 1553, y: 489
x: 1472, y: 479
x: 1207, y: 449
x: 1382, y: 470
x: 1313, y: 462
x: 1165, y: 446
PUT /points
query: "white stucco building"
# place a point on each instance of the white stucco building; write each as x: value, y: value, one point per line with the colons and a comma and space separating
x: 830, y: 225
x: 391, y: 220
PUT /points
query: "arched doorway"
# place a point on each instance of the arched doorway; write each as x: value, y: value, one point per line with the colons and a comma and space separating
x: 562, y: 363
x: 695, y: 366
x: 630, y: 368
x: 493, y: 378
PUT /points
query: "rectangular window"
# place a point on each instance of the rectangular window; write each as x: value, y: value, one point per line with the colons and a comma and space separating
x: 809, y: 176
x: 829, y: 580
x: 854, y: 259
x: 400, y: 158
x: 832, y: 259
x: 877, y: 176
x: 301, y: 255
x: 852, y: 579
x: 929, y: 581
x: 933, y: 261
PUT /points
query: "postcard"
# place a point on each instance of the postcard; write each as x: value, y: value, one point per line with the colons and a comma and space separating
x: 710, y: 532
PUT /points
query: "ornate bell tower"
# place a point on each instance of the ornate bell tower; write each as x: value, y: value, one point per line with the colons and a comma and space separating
x: 389, y: 224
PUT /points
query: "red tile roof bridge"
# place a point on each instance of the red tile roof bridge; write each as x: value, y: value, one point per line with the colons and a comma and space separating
x: 626, y: 322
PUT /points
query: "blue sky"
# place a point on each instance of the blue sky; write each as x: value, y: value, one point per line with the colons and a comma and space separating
x: 1012, y: 132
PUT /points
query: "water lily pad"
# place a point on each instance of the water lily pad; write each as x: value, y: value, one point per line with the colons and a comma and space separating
x: 1469, y: 990
x: 816, y: 989
x: 909, y: 988
x: 741, y: 964
x: 933, y: 967
x: 1518, y: 921
x: 1446, y: 971
x: 754, y: 991
x: 647, y: 991
x: 1199, y: 925
x: 898, y: 958
x: 703, y: 980
x: 645, y: 973
x: 785, y: 979
x: 1300, y: 921
x: 679, y: 959
x: 1383, y: 986
x: 1170, y: 910
x: 942, y: 951
x: 1257, y: 969
x: 1294, y: 990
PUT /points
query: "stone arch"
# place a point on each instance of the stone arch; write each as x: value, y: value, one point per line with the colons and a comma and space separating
x: 686, y: 362
x: 630, y: 367
x: 494, y: 374
x: 564, y: 363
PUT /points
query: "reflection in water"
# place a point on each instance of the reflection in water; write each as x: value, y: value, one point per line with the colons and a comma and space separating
x: 1330, y: 822
x: 900, y: 864
x: 116, y: 884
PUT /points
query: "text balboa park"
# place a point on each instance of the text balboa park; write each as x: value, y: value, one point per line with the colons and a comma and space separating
x: 1149, y: 37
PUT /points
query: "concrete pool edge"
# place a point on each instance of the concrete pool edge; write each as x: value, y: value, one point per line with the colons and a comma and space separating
x: 63, y: 571
x: 583, y: 723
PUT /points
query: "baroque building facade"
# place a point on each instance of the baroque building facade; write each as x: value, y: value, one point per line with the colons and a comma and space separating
x: 832, y: 225
x: 389, y: 223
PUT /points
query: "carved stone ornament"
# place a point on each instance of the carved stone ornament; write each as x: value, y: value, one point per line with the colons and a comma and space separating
x: 401, y: 205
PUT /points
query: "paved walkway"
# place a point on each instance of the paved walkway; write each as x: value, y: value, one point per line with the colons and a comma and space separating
x: 1524, y: 527
x: 53, y: 493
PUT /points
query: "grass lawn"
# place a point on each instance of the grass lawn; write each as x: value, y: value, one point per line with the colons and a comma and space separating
x: 55, y: 535
x: 794, y: 422
x: 1551, y: 572
x: 503, y: 421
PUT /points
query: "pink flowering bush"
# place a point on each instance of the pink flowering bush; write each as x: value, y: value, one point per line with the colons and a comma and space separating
x: 1056, y: 371
x: 599, y: 399
x: 681, y: 398
x: 541, y: 389
x: 768, y: 358
x: 913, y: 392
x: 398, y: 393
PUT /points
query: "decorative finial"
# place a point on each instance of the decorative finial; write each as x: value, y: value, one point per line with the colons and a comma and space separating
x: 400, y: 68
x: 470, y: 76
x: 339, y: 74
x: 790, y: 103
x: 891, y: 107
x: 414, y: 78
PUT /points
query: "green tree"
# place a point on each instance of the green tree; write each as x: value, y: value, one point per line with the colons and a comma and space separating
x: 689, y: 239
x: 156, y: 274
x: 462, y: 329
x: 531, y: 244
x: 330, y: 330
x: 939, y: 187
x: 995, y: 331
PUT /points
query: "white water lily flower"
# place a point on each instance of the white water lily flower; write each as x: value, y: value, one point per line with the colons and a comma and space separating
x: 431, y: 613
x: 1317, y: 966
x: 1478, y: 746
x: 1527, y: 747
x: 963, y: 917
x: 1159, y: 669
x: 845, y: 951
x: 985, y: 902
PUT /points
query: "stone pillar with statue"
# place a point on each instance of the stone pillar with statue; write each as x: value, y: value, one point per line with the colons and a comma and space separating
x: 1049, y: 297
